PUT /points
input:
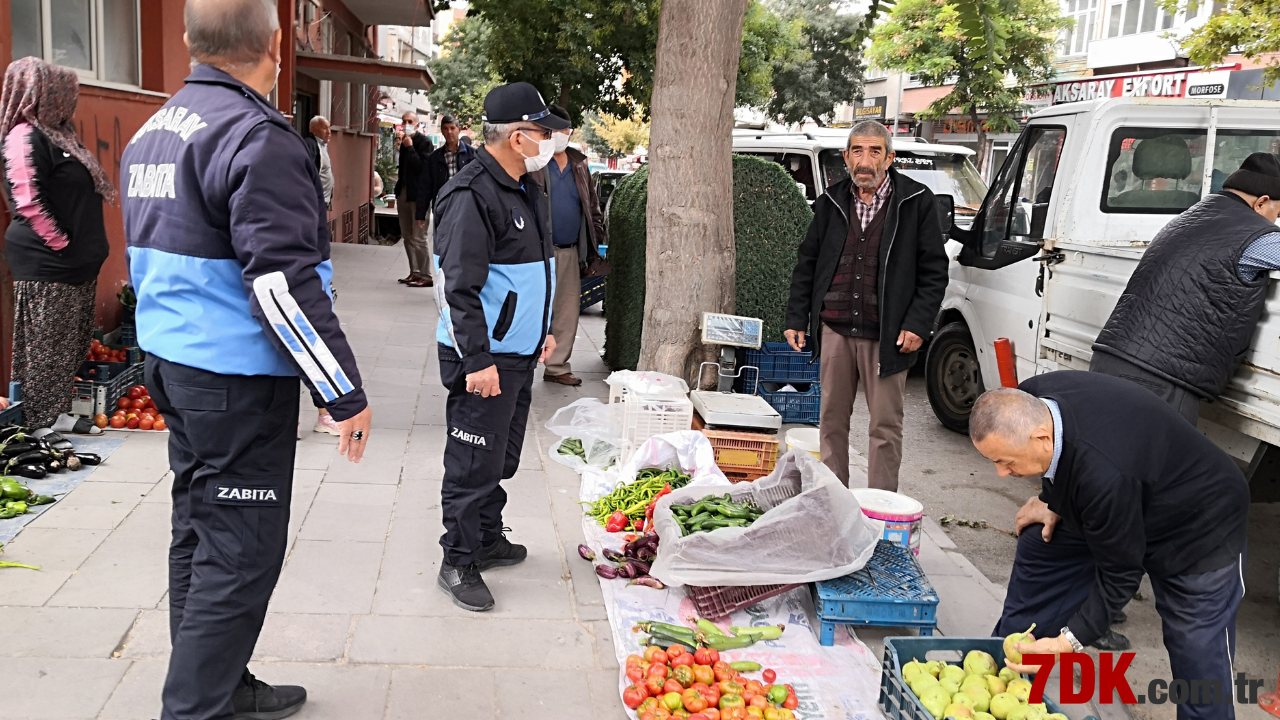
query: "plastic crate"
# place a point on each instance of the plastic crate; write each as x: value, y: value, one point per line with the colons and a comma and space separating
x: 897, y: 702
x: 643, y: 417
x: 128, y: 333
x: 777, y: 362
x: 891, y: 590
x: 12, y: 415
x: 92, y: 397
x: 795, y: 407
x: 715, y: 603
x: 741, y: 456
x: 593, y: 291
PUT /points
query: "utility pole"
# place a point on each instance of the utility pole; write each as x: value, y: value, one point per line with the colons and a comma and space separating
x: 897, y: 107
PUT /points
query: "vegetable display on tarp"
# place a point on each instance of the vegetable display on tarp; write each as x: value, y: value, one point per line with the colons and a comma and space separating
x: 590, y: 434
x: 631, y: 563
x: 714, y: 512
x: 36, y: 454
x: 630, y: 505
x: 18, y: 499
x: 811, y: 528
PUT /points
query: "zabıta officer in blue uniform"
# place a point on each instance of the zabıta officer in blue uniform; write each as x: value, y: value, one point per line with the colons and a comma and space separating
x: 494, y: 284
x: 228, y: 250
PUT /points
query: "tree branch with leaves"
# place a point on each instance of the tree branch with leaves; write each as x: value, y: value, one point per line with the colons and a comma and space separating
x: 1248, y: 27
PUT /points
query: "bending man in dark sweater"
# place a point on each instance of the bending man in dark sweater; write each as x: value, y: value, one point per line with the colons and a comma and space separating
x: 1128, y: 487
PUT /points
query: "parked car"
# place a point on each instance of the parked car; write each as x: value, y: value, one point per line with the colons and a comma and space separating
x: 606, y: 182
x: 813, y: 160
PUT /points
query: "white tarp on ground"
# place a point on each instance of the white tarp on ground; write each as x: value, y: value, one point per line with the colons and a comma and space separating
x: 841, y: 682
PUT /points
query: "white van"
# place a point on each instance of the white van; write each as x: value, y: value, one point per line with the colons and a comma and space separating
x: 1063, y: 226
x: 813, y: 160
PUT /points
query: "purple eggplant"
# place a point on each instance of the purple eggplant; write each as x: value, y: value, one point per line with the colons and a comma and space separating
x: 613, y: 555
x: 642, y: 567
x: 606, y: 572
x: 650, y: 582
x: 586, y: 552
x: 628, y: 570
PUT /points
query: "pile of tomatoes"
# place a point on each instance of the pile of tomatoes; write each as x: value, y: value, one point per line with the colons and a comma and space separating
x: 101, y: 353
x: 135, y: 411
x: 675, y: 683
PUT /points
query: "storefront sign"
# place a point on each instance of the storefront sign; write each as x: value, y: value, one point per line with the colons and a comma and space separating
x: 872, y: 108
x: 1172, y: 84
x: 1208, y: 84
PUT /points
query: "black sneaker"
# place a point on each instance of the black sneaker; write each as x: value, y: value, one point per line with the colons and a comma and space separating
x: 256, y: 700
x: 1120, y: 618
x: 502, y: 552
x: 1112, y: 641
x: 465, y: 586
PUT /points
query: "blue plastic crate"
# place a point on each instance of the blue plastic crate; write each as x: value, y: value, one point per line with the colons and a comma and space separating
x: 892, y: 590
x: 794, y: 407
x: 593, y: 291
x: 12, y: 415
x: 779, y: 363
x: 897, y: 702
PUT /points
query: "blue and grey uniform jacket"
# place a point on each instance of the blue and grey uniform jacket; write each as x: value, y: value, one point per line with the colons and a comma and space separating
x: 495, y: 271
x: 227, y: 242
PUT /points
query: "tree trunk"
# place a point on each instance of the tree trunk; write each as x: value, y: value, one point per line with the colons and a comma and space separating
x: 564, y: 96
x: 690, y: 258
x: 981, y: 131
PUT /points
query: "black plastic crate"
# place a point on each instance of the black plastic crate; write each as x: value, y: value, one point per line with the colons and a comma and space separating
x: 890, y: 591
x: 896, y: 699
x: 593, y: 291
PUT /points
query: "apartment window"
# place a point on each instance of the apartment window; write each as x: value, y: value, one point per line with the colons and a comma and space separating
x: 1076, y: 39
x: 99, y: 38
x: 1132, y: 17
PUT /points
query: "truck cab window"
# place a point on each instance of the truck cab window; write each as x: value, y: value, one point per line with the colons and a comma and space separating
x: 1018, y: 205
x: 1159, y: 171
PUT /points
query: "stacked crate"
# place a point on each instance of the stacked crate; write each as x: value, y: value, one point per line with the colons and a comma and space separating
x: 776, y: 365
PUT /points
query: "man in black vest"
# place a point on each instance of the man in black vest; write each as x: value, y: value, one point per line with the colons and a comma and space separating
x: 1127, y: 488
x: 869, y: 279
x: 1185, y: 319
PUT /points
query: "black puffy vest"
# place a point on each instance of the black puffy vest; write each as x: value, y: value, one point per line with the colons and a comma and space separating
x: 1186, y: 314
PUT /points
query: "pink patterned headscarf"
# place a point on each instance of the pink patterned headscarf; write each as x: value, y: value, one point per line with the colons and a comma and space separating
x: 44, y: 96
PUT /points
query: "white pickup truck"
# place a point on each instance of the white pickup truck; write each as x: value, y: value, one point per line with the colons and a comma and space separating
x: 1062, y: 228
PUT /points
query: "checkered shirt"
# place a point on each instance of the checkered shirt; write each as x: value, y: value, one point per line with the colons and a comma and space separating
x: 866, y: 211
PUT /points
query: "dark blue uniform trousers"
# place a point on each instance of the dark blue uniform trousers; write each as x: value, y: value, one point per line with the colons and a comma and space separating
x: 482, y: 449
x: 231, y: 448
x: 1051, y: 580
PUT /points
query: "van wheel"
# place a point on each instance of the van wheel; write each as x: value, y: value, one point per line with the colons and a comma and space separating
x: 953, y: 376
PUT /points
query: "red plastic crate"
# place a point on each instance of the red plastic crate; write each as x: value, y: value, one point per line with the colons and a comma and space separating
x: 714, y: 603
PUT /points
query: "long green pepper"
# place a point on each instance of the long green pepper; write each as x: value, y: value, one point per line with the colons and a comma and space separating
x: 632, y: 498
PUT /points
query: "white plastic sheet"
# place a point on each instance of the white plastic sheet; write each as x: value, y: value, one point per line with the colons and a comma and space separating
x: 688, y: 450
x: 648, y: 384
x: 818, y: 533
x: 596, y: 425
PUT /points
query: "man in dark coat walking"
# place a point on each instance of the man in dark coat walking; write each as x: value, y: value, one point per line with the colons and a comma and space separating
x: 868, y: 283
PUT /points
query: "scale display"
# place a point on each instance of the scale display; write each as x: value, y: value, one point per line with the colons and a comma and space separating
x: 720, y: 329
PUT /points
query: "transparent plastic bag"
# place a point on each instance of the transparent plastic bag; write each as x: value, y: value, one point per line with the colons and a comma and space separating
x: 687, y: 450
x: 595, y: 426
x: 647, y: 384
x: 813, y: 529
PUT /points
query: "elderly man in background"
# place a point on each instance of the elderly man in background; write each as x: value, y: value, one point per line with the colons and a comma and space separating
x: 1127, y: 487
x: 577, y: 230
x: 237, y: 232
x: 442, y: 165
x: 318, y: 149
x: 414, y: 149
x: 868, y: 283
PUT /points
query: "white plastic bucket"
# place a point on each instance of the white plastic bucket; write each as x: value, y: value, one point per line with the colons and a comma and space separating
x: 897, y: 516
x: 805, y: 439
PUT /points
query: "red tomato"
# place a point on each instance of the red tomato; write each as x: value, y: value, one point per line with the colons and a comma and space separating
x: 672, y: 685
x: 655, y: 654
x: 124, y: 402
x: 654, y: 684
x: 117, y: 422
x: 704, y: 674
x: 146, y: 422
x: 706, y: 656
x: 676, y: 651
x: 658, y: 669
x: 634, y: 695
x: 711, y: 713
x: 693, y: 700
x: 131, y: 423
x: 147, y: 401
x: 135, y: 392
x: 698, y: 716
x: 634, y: 660
x: 142, y: 389
x: 100, y: 420
x: 755, y: 686
x: 95, y: 343
x: 635, y: 673
x: 138, y: 403
x: 722, y: 670
x: 791, y: 703
x: 160, y: 424
x: 769, y: 676
x: 759, y: 701
x: 712, y: 694
x: 682, y: 660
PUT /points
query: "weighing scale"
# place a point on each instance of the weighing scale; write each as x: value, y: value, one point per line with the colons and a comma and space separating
x: 722, y: 407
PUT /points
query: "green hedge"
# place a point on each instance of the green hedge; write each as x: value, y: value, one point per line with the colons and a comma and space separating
x: 770, y: 217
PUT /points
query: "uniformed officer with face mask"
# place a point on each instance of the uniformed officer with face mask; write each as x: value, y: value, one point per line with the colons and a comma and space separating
x: 494, y: 284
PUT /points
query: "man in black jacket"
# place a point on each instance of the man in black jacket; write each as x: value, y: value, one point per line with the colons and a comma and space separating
x: 1128, y: 487
x: 1187, y: 315
x: 441, y: 165
x: 414, y: 149
x: 869, y: 280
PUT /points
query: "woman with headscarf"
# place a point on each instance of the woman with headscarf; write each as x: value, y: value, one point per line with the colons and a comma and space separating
x: 56, y: 241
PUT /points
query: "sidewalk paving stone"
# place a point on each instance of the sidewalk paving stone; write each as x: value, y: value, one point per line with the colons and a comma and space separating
x: 137, y: 697
x: 57, y: 688
x: 418, y: 693
x: 328, y: 576
x: 472, y: 642
x: 347, y: 511
x: 54, y: 632
x: 129, y: 569
x: 96, y: 505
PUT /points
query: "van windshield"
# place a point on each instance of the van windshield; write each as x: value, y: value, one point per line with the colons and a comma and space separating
x: 950, y: 175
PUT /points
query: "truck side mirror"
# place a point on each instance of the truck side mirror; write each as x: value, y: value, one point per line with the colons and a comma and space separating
x: 946, y: 212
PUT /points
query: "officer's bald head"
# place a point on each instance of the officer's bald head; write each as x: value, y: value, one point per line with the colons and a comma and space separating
x: 230, y: 33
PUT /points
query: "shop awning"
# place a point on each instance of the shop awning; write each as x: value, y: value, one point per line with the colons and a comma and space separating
x: 391, y: 12
x: 364, y: 71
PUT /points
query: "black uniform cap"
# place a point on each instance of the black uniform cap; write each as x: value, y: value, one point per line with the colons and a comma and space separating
x: 520, y: 102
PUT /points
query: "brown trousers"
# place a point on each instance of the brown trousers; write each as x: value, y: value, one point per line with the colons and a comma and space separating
x: 844, y: 361
x: 564, y: 310
x: 415, y: 243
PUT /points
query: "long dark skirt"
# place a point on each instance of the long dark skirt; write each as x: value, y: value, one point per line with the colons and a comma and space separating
x: 52, y: 326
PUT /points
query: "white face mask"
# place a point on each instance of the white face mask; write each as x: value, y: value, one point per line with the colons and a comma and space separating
x: 546, y: 148
x: 562, y: 141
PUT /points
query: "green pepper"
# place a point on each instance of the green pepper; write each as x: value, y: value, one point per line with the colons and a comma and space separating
x: 735, y: 511
x: 17, y: 506
x: 11, y: 489
x: 6, y: 514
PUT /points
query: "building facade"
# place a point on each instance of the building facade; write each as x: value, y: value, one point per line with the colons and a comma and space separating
x: 131, y: 57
